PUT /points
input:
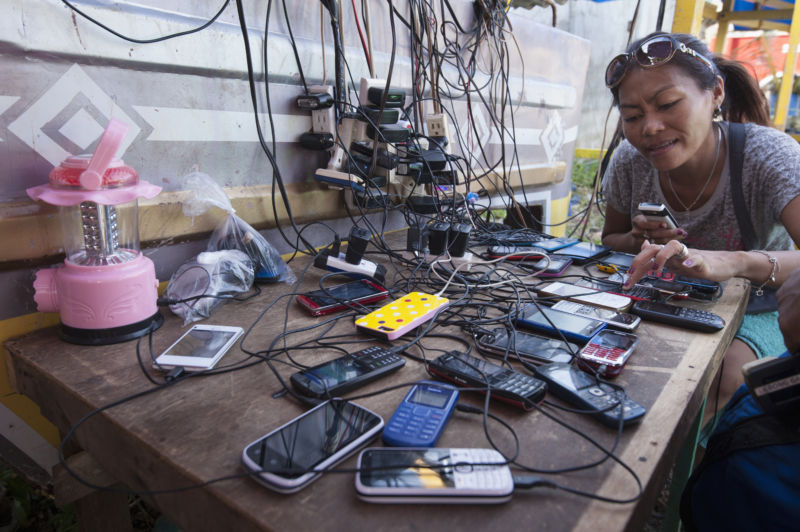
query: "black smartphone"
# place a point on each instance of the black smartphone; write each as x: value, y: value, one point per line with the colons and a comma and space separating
x: 557, y: 266
x: 528, y: 253
x: 506, y: 385
x: 553, y: 244
x: 291, y: 456
x: 556, y: 323
x: 321, y: 302
x: 528, y: 346
x: 615, y: 262
x: 602, y: 401
x: 583, y: 252
x: 346, y: 373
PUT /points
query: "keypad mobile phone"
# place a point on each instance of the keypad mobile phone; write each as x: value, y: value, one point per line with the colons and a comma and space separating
x: 505, y: 384
x: 346, y: 373
x: 580, y: 389
x: 608, y: 352
x: 421, y: 416
x: 688, y: 318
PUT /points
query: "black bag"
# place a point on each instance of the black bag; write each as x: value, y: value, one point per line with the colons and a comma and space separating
x: 767, y: 301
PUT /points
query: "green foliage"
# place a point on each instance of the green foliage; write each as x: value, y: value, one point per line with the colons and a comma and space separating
x: 583, y: 172
x: 32, y: 509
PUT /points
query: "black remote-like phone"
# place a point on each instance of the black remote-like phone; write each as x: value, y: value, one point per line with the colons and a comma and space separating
x: 586, y: 392
x: 506, y: 384
x: 346, y: 373
x: 688, y: 318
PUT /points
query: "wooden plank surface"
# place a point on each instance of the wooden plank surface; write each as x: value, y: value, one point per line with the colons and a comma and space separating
x: 190, y: 433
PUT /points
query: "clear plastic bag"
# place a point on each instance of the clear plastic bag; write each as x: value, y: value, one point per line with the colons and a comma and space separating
x: 207, y: 281
x: 233, y: 232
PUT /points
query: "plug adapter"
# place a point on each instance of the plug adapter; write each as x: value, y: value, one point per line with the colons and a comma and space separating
x: 363, y: 269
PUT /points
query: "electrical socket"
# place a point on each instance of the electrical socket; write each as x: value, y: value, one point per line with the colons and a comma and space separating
x: 322, y: 121
x: 438, y: 126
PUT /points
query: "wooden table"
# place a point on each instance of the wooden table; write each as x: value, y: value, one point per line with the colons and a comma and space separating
x: 194, y: 431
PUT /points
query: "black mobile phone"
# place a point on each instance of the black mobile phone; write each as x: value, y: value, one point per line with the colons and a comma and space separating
x: 558, y: 265
x: 583, y: 252
x: 528, y: 253
x: 615, y: 262
x: 527, y: 346
x: 505, y: 384
x: 602, y: 401
x: 363, y: 291
x: 555, y: 323
x: 346, y: 373
x: 688, y: 318
x: 293, y: 455
x: 556, y: 243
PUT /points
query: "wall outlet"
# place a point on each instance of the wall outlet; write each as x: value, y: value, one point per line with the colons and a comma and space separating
x: 438, y: 126
x: 322, y: 121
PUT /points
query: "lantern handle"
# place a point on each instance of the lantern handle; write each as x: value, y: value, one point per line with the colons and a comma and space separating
x: 92, y: 177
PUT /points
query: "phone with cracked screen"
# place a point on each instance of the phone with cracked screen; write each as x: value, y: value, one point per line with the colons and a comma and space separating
x: 433, y: 475
x: 530, y: 347
x: 290, y: 457
x: 333, y: 299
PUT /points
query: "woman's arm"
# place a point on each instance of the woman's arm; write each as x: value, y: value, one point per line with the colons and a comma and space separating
x: 722, y: 265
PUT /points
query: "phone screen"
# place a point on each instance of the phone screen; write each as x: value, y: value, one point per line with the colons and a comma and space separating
x: 299, y: 446
x: 563, y: 321
x: 335, y: 372
x: 556, y: 243
x: 582, y: 249
x: 417, y: 468
x: 614, y: 340
x: 530, y: 346
x: 569, y: 377
x: 200, y: 343
x: 344, y: 292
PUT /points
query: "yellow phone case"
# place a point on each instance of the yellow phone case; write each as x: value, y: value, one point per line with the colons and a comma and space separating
x: 401, y: 315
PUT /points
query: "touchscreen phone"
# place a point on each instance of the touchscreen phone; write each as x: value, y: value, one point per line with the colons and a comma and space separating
x: 293, y: 455
x: 321, y: 302
x: 554, y: 322
x: 528, y: 346
x: 553, y: 244
x: 615, y: 262
x: 199, y: 348
x: 583, y: 252
x: 433, y: 475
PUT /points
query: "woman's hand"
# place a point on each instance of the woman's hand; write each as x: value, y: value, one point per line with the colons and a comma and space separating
x: 789, y: 311
x: 654, y: 231
x: 704, y: 264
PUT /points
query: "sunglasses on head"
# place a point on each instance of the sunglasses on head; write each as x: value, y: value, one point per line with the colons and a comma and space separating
x: 653, y: 52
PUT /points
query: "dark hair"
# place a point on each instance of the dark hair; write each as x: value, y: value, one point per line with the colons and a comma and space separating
x: 744, y: 100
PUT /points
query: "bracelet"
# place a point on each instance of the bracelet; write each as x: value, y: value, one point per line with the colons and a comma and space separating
x: 775, y: 268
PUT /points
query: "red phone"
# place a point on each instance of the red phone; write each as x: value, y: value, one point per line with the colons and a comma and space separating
x: 607, y: 352
x: 333, y: 299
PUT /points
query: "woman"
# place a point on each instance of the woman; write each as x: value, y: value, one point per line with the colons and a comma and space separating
x: 672, y: 94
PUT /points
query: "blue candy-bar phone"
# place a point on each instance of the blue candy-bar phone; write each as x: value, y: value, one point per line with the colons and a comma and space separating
x: 421, y: 416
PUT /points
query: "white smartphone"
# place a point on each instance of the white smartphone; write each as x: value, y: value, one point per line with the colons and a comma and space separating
x: 293, y: 455
x: 618, y: 320
x: 589, y: 296
x: 199, y: 348
x: 658, y: 212
x: 433, y: 475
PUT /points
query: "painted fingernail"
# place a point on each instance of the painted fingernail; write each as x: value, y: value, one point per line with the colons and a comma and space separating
x: 682, y: 232
x: 688, y: 263
x: 630, y: 271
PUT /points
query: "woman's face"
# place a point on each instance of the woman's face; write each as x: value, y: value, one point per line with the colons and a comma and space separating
x: 667, y: 116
